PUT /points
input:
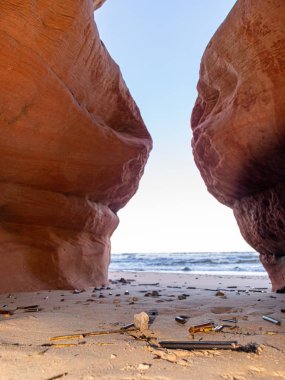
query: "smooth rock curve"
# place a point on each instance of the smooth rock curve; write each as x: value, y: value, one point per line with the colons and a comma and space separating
x: 73, y: 146
x: 238, y: 125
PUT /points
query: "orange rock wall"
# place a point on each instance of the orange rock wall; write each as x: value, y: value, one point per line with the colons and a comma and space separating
x: 73, y: 146
x: 238, y: 125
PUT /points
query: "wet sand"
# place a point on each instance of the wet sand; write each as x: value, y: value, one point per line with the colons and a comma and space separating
x: 28, y: 351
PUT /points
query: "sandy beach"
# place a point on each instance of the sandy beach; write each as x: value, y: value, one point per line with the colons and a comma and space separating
x: 30, y: 348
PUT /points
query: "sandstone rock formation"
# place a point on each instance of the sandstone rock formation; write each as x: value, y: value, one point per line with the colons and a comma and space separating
x: 238, y: 125
x: 73, y: 146
x: 98, y: 3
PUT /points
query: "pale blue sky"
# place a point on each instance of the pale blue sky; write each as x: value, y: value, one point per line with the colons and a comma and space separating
x: 158, y: 45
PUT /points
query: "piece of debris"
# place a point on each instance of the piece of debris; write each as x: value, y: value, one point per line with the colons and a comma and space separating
x: 220, y: 293
x: 106, y: 332
x: 204, y: 327
x: 152, y: 315
x: 141, y: 321
x: 154, y: 293
x: 173, y: 287
x: 182, y: 319
x: 91, y: 333
x: 66, y: 337
x: 198, y: 345
x: 249, y: 348
x: 77, y: 291
x: 33, y: 310
x: 128, y: 326
x: 62, y: 345
x: 27, y: 307
x: 58, y: 376
x: 30, y: 309
x: 219, y: 328
x: 6, y: 313
x: 122, y: 280
x: 233, y: 320
x: 272, y: 320
x: 211, y: 345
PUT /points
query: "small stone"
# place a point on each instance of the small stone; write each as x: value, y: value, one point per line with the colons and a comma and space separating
x: 113, y: 356
x: 143, y: 366
x: 141, y: 321
x: 127, y: 293
x: 220, y: 293
x: 181, y: 297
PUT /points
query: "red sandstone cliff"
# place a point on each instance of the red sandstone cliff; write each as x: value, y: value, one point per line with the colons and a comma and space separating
x: 73, y: 146
x: 98, y: 3
x: 238, y: 125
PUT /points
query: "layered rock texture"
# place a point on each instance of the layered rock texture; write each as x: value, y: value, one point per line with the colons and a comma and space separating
x: 73, y: 146
x: 238, y: 125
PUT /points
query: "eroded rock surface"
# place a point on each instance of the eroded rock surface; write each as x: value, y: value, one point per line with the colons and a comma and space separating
x: 98, y: 3
x: 238, y: 125
x: 73, y: 146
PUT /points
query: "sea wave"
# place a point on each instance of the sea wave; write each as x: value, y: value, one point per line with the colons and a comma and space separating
x: 187, y: 262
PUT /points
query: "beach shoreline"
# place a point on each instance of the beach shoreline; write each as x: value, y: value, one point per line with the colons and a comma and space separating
x: 200, y: 273
x: 27, y: 351
x: 188, y: 262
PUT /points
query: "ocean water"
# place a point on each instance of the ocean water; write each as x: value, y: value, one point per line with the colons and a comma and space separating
x: 183, y: 262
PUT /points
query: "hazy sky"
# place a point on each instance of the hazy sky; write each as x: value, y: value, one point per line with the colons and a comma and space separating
x: 158, y: 45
